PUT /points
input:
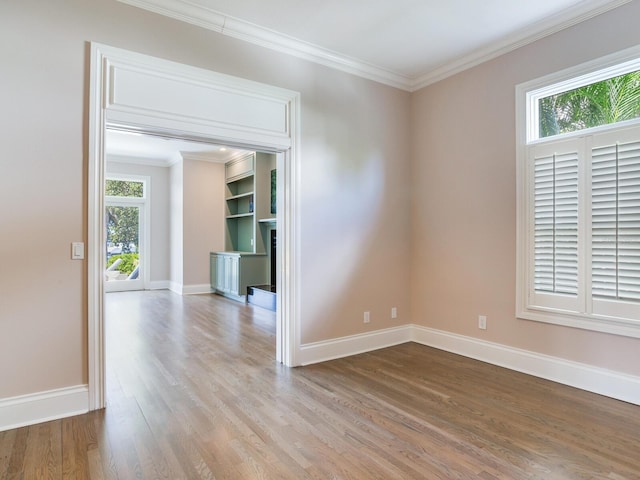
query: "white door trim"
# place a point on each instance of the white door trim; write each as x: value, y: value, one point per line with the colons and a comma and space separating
x: 247, y: 114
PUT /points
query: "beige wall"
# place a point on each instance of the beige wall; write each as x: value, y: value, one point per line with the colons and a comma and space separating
x: 203, y: 217
x: 464, y: 215
x: 354, y: 180
x: 159, y: 221
x: 176, y: 223
x: 364, y: 148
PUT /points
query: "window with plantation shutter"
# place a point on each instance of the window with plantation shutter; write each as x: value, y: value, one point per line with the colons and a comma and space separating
x: 579, y: 229
x: 615, y: 221
x: 615, y: 224
x: 553, y: 225
x: 556, y: 223
x: 583, y: 231
x: 578, y: 212
x: 578, y: 196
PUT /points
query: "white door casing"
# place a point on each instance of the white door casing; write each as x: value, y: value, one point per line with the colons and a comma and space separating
x: 139, y: 92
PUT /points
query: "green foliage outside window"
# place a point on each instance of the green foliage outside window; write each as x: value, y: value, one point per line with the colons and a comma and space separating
x: 122, y: 227
x: 124, y: 188
x: 610, y: 101
x: 129, y: 262
x: 122, y: 221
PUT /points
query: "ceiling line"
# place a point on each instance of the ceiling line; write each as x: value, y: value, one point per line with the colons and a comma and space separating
x: 249, y: 32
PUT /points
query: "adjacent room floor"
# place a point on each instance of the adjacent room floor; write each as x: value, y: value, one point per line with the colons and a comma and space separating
x: 193, y: 392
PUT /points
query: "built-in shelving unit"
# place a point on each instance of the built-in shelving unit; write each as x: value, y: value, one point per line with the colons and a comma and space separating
x: 248, y: 203
x: 247, y: 199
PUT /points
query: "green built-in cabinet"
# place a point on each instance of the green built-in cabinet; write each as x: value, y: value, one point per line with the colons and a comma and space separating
x: 248, y: 200
x: 233, y: 272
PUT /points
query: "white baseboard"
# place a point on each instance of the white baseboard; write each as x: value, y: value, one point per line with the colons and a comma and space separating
x: 352, y: 345
x: 159, y: 285
x: 586, y: 377
x: 189, y: 289
x: 196, y: 289
x: 41, y: 407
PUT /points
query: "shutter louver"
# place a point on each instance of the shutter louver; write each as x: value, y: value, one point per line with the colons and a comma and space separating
x: 615, y: 218
x: 556, y: 223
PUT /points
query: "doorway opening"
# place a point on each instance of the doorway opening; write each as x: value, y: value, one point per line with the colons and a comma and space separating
x: 215, y: 108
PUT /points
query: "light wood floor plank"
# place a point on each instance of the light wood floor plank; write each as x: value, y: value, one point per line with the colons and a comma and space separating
x: 193, y: 392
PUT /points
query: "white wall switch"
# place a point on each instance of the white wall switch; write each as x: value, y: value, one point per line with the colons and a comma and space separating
x: 367, y: 317
x: 77, y: 251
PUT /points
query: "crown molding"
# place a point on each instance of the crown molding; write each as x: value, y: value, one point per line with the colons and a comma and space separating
x: 140, y: 160
x: 554, y: 24
x: 186, y: 11
x: 264, y: 37
x: 205, y: 157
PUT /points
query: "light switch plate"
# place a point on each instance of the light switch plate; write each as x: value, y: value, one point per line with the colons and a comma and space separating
x: 77, y: 251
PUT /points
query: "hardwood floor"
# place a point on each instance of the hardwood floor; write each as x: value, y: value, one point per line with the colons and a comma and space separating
x: 194, y: 392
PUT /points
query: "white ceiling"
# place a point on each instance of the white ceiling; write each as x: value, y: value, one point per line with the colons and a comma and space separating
x: 133, y: 147
x: 404, y: 43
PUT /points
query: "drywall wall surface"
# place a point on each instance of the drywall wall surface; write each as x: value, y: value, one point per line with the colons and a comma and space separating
x: 203, y: 218
x: 354, y: 181
x: 176, y: 224
x: 159, y: 221
x: 464, y: 206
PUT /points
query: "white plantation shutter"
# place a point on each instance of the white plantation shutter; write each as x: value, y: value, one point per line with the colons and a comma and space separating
x: 556, y: 223
x: 578, y: 212
x: 584, y: 229
x: 615, y: 221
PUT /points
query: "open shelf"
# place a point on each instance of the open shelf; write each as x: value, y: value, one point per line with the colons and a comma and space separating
x: 247, y: 199
x: 241, y: 195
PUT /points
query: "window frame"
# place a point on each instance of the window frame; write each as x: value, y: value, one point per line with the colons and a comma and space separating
x: 144, y: 204
x: 145, y: 180
x: 527, y: 138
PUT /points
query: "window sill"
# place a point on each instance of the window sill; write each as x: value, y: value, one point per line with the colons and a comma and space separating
x: 613, y: 326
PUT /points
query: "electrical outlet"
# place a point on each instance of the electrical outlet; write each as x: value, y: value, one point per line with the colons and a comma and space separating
x: 394, y: 312
x: 482, y: 322
x: 367, y: 317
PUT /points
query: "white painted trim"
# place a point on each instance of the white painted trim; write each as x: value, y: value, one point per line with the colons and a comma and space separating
x: 175, y: 287
x: 181, y: 289
x: 196, y: 289
x: 41, y: 407
x: 220, y: 131
x: 575, y: 76
x: 30, y: 409
x: 249, y: 32
x: 159, y: 285
x: 354, y: 344
x: 527, y: 307
x: 579, y: 375
x: 96, y: 233
x: 237, y: 28
x: 203, y: 157
x: 137, y: 160
x: 556, y: 23
x: 586, y: 377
